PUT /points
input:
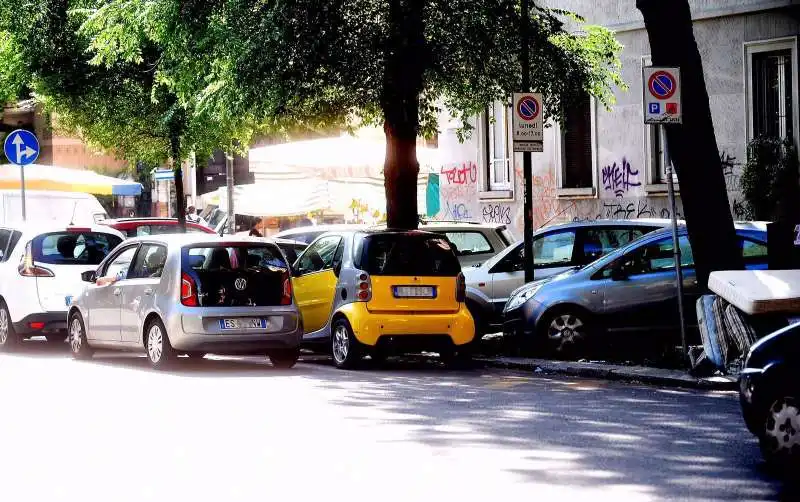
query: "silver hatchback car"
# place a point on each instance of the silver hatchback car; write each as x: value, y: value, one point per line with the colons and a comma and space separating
x: 189, y: 294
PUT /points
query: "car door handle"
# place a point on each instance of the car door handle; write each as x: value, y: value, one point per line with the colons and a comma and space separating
x: 148, y: 291
x: 117, y: 291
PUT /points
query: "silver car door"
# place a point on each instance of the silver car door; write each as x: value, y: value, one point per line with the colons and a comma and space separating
x: 105, y: 296
x: 140, y: 288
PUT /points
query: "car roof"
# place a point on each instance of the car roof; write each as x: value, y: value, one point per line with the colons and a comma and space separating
x: 466, y: 225
x: 39, y: 227
x: 639, y: 222
x: 320, y: 228
x: 180, y: 240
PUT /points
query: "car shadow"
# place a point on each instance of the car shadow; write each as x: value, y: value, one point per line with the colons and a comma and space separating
x: 209, y: 367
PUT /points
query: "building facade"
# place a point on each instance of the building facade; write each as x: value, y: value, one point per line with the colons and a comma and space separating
x: 607, y: 163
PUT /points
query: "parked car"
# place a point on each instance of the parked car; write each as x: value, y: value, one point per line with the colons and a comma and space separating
x: 40, y: 270
x: 556, y: 249
x: 138, y: 227
x: 631, y: 289
x: 189, y: 294
x: 377, y: 292
x: 50, y: 207
x: 474, y: 243
x: 769, y: 393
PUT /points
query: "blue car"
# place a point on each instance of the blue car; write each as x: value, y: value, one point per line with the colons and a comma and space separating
x: 630, y: 290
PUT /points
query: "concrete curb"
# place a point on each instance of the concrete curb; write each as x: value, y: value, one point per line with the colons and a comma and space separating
x: 640, y: 374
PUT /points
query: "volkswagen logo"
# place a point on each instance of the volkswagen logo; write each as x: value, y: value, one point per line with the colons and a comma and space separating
x: 240, y: 283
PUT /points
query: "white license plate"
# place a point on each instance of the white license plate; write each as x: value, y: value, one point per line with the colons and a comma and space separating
x: 414, y: 292
x: 243, y: 323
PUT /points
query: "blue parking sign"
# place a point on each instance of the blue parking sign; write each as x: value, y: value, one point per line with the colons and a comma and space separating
x: 655, y: 108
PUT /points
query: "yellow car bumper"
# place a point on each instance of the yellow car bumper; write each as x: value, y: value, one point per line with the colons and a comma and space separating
x: 369, y: 327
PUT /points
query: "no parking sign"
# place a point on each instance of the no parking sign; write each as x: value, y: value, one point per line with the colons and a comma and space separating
x: 527, y: 123
x: 662, y: 95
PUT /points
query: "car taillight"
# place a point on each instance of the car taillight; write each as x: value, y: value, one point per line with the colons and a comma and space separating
x: 363, y: 288
x: 461, y: 289
x: 188, y: 291
x: 27, y: 267
x: 286, y: 299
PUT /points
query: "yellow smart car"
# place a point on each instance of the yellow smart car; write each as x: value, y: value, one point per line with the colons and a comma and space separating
x: 382, y: 292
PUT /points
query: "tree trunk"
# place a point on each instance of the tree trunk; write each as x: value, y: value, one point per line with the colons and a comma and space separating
x: 692, y: 145
x: 177, y: 169
x: 402, y: 85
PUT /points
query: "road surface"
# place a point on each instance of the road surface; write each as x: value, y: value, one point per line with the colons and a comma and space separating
x: 226, y: 430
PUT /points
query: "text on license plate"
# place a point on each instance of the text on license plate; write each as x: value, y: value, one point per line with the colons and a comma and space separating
x: 414, y: 292
x: 243, y: 323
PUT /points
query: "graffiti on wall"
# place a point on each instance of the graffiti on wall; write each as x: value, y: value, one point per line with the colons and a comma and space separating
x: 732, y: 170
x: 624, y: 210
x: 458, y: 192
x: 498, y: 214
x: 620, y: 178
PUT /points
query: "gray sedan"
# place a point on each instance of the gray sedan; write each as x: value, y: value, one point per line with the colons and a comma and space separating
x: 629, y: 290
x: 189, y: 294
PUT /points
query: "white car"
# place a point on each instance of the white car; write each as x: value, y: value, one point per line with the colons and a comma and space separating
x: 40, y: 271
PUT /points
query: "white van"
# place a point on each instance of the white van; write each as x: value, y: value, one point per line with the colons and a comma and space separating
x: 51, y: 207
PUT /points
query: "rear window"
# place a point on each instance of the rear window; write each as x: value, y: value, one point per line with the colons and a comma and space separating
x: 73, y: 248
x: 408, y: 255
x: 239, y: 275
x: 469, y: 243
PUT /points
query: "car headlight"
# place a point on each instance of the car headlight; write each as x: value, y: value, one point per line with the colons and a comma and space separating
x: 521, y: 297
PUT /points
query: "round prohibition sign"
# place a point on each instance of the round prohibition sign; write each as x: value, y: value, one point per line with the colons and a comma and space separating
x: 528, y: 108
x: 662, y: 85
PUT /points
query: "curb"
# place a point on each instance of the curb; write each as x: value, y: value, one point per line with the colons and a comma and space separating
x: 633, y: 374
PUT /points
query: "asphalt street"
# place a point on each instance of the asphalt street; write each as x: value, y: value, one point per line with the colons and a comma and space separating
x: 230, y: 429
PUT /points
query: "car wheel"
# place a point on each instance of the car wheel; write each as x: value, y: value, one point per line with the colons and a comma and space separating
x: 8, y: 337
x: 159, y: 350
x: 78, y: 344
x: 56, y: 338
x: 196, y: 355
x: 345, y: 348
x: 780, y: 437
x: 284, y: 359
x: 565, y: 332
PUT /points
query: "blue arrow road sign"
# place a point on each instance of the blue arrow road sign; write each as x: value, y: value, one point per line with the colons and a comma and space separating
x: 21, y: 147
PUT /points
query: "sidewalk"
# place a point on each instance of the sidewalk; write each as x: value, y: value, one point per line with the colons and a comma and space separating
x: 642, y: 374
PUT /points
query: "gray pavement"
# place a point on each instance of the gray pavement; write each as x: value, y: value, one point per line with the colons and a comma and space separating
x: 236, y: 429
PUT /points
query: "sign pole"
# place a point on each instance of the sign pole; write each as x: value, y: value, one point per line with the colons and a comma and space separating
x: 231, y: 223
x: 675, y: 240
x: 22, y: 187
x: 527, y: 162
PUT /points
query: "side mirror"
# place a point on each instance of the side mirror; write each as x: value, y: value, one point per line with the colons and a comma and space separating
x: 89, y: 276
x: 618, y: 273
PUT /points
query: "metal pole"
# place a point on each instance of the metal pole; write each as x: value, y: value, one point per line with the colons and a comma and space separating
x: 22, y: 186
x: 527, y: 164
x: 675, y: 239
x: 193, y: 179
x: 231, y: 215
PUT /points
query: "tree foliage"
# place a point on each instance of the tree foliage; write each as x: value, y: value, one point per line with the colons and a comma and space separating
x: 770, y: 179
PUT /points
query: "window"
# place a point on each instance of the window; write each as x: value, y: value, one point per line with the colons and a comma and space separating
x: 468, y: 243
x: 578, y: 163
x: 118, y: 268
x: 319, y: 256
x: 654, y: 257
x: 600, y: 241
x: 554, y: 249
x: 496, y: 156
x: 408, y: 255
x: 772, y: 89
x: 8, y: 241
x: 149, y: 262
x: 753, y: 252
x: 73, y: 248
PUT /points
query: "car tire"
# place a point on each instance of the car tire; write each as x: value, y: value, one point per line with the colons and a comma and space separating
x: 78, y: 342
x: 284, y: 359
x: 9, y: 339
x: 780, y: 435
x: 564, y: 332
x: 159, y: 351
x: 56, y: 338
x: 345, y: 348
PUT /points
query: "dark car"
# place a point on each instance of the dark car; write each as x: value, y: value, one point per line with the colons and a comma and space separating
x: 138, y: 227
x: 769, y: 392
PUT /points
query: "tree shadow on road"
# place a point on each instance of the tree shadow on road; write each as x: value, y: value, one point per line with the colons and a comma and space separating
x: 661, y: 443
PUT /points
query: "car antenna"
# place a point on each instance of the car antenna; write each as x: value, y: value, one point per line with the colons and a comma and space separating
x: 72, y: 218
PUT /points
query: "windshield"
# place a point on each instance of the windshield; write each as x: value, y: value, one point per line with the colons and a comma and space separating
x: 408, y: 254
x: 73, y: 248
